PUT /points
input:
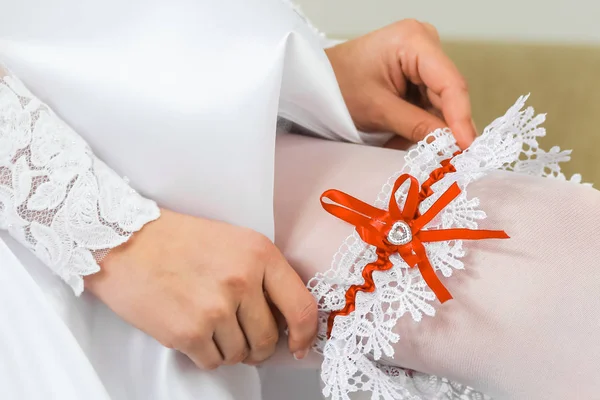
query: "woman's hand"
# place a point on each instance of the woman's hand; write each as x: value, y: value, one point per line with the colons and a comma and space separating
x: 398, y: 79
x: 200, y: 287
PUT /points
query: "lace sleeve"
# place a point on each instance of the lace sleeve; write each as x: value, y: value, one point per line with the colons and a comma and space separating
x: 56, y: 197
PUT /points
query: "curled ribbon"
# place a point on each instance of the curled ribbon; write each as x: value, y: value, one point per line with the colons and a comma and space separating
x: 374, y: 226
x: 436, y: 175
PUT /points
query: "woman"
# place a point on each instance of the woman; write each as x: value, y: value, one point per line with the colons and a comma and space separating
x: 126, y: 76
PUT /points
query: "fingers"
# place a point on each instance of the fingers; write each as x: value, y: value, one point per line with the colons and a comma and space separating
x: 434, y: 99
x: 398, y: 143
x: 425, y: 102
x: 408, y: 120
x: 449, y: 90
x: 204, y: 353
x: 231, y: 342
x: 456, y: 108
x: 260, y: 328
x: 446, y: 85
x: 432, y: 31
x: 292, y: 299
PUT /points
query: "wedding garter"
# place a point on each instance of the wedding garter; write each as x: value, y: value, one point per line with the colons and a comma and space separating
x: 388, y: 267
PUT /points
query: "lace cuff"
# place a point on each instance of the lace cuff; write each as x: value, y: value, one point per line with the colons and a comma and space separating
x: 56, y: 197
x: 356, y: 343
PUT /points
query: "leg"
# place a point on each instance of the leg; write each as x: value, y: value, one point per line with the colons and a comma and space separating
x: 524, y: 320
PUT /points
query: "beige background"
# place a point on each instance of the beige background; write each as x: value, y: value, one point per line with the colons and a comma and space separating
x: 504, y: 49
x: 530, y: 20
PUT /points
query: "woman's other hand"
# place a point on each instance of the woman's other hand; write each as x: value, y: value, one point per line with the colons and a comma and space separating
x: 205, y: 288
x: 398, y: 79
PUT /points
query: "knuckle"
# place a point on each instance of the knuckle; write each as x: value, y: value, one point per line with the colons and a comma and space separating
x: 460, y: 84
x: 420, y: 130
x: 216, y: 312
x: 260, y: 357
x: 237, y: 357
x: 411, y: 27
x: 267, y: 342
x: 410, y: 24
x: 260, y: 246
x: 431, y: 29
x: 237, y: 282
x: 185, y: 338
x: 210, y: 366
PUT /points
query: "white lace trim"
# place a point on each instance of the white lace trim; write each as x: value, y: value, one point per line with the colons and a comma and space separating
x: 358, y: 341
x: 56, y: 197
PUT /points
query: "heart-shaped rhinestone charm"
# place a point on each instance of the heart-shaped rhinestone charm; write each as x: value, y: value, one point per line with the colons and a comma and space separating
x: 400, y: 234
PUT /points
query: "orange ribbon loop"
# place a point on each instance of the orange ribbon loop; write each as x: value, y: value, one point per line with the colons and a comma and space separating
x: 374, y: 227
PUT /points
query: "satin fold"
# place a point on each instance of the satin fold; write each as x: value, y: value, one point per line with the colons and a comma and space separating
x: 182, y: 98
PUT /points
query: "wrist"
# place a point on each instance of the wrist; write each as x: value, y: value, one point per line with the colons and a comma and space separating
x: 124, y: 255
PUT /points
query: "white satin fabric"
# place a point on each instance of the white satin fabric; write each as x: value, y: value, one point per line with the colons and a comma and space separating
x: 182, y: 97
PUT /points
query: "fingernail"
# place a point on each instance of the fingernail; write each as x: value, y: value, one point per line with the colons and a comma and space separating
x: 300, y: 354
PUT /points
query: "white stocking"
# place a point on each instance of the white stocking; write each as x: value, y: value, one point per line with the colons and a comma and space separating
x: 525, y: 319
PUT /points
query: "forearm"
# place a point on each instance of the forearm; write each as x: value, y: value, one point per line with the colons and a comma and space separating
x: 56, y: 197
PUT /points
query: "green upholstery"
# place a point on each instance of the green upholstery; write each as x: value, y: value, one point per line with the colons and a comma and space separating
x: 564, y: 82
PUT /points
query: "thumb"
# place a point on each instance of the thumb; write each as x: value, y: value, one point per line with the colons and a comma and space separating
x: 408, y: 120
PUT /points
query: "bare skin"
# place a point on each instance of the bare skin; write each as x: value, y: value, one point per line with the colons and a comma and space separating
x: 181, y: 257
x: 398, y: 79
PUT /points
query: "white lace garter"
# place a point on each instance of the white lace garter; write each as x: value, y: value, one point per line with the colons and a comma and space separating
x: 360, y: 339
x: 56, y: 197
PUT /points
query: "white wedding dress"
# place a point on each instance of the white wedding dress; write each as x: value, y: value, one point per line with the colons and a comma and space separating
x: 181, y: 97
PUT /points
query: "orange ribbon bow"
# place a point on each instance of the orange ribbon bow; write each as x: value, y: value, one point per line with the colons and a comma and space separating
x: 400, y: 231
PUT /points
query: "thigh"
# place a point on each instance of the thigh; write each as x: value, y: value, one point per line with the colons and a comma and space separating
x: 525, y: 311
x: 304, y: 168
